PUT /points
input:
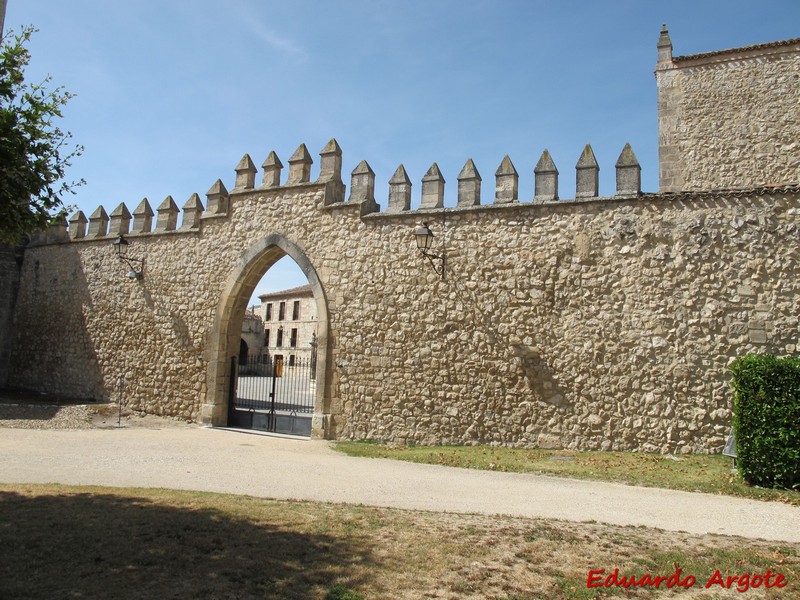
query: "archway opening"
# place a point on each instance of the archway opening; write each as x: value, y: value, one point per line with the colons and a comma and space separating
x: 270, y: 346
x: 244, y: 351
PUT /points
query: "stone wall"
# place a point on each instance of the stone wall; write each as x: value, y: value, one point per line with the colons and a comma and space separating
x: 600, y: 325
x: 729, y: 119
x: 80, y: 323
x: 593, y: 323
x: 253, y: 337
x: 10, y: 259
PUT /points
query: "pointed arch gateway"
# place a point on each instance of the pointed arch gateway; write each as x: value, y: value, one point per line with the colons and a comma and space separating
x: 225, y: 337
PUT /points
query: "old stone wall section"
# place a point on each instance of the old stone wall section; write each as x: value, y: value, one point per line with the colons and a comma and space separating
x: 729, y: 119
x: 592, y: 323
x: 604, y: 325
x: 10, y: 263
x: 589, y: 323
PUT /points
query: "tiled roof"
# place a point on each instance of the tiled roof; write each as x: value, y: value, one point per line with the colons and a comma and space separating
x: 303, y: 290
x: 743, y: 49
x: 766, y: 190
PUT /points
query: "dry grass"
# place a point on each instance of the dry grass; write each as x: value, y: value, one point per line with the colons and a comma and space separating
x: 710, y: 474
x: 79, y: 542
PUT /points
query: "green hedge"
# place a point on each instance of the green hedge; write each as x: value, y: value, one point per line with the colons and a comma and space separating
x: 766, y: 419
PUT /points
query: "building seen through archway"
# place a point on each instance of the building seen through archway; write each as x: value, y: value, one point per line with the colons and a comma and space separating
x: 290, y: 323
x: 277, y: 369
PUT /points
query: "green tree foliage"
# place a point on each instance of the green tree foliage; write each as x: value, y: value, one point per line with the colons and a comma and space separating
x: 34, y: 152
x: 766, y: 419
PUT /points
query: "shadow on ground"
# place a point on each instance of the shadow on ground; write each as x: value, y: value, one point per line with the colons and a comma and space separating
x: 108, y: 546
x: 17, y: 397
x: 35, y: 412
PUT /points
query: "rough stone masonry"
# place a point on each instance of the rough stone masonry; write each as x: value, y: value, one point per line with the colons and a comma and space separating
x: 592, y: 323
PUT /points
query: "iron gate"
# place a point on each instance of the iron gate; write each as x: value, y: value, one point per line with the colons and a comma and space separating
x: 276, y: 394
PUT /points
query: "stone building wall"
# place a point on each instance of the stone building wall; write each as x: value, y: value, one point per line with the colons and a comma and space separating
x: 253, y: 337
x: 305, y: 324
x: 729, y: 119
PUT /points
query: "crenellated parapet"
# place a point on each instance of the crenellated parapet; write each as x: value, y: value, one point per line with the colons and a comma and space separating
x: 217, y: 200
x: 506, y: 182
x: 143, y: 217
x: 98, y: 224
x: 432, y: 188
x: 299, y: 166
x: 245, y: 174
x: 362, y: 188
x: 587, y: 177
x: 192, y: 211
x: 120, y: 221
x: 629, y: 173
x: 77, y: 225
x: 362, y: 191
x: 399, y: 191
x: 168, y: 213
x: 546, y: 179
x: 140, y: 222
x: 272, y: 171
x: 469, y: 185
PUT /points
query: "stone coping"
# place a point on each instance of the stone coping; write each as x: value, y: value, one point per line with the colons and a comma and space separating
x: 732, y: 54
x: 539, y: 205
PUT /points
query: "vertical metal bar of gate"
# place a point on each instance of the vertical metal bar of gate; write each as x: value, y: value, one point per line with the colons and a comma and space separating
x: 234, y: 373
x: 277, y: 371
x: 273, y: 395
x: 291, y: 379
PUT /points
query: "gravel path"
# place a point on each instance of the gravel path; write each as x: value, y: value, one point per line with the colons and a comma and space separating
x: 162, y: 453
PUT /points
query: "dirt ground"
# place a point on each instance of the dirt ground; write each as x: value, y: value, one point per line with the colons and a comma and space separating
x: 28, y: 410
x: 390, y: 553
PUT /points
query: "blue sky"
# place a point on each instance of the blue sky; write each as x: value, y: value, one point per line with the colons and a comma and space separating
x: 171, y: 93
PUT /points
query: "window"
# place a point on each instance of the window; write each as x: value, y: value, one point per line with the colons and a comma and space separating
x: 291, y: 360
x: 296, y: 310
x: 279, y: 341
x: 293, y: 338
x: 266, y: 337
x: 268, y: 316
x: 282, y: 311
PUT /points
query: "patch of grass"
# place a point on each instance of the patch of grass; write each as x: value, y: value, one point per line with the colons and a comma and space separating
x: 340, y: 592
x: 726, y: 560
x: 87, y: 542
x: 710, y: 474
x: 575, y: 588
x: 543, y: 531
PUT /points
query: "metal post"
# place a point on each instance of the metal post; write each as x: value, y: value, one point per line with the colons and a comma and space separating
x: 313, y: 356
x: 232, y: 382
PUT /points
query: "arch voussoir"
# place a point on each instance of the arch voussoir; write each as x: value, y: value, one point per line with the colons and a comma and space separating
x: 223, y: 342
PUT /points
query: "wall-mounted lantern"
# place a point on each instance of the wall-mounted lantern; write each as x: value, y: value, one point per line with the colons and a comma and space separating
x: 121, y: 246
x: 424, y: 237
